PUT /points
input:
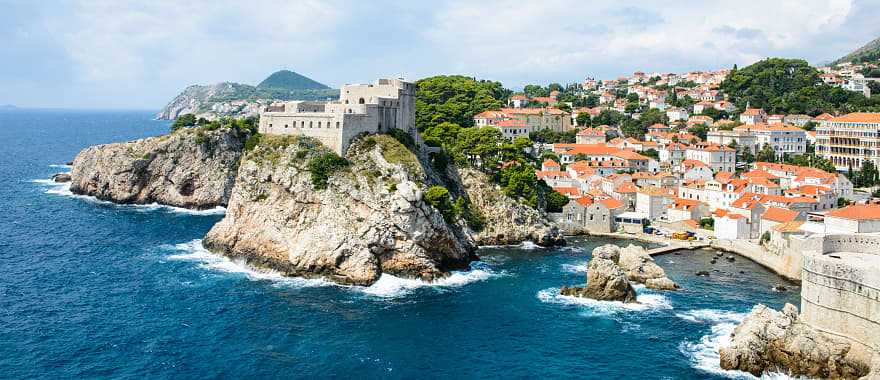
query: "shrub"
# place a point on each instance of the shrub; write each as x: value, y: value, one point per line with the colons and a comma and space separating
x: 438, y: 197
x: 252, y: 142
x: 765, y: 237
x: 403, y: 137
x: 473, y: 217
x: 555, y: 201
x: 322, y: 166
x: 182, y: 121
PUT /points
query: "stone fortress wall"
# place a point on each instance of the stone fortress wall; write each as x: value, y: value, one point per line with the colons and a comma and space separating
x: 840, y: 288
x: 361, y: 108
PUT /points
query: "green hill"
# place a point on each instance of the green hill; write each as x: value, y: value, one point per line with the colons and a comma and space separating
x: 868, y: 53
x: 289, y: 80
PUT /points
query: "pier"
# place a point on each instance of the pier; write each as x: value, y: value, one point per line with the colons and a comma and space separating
x: 675, y: 246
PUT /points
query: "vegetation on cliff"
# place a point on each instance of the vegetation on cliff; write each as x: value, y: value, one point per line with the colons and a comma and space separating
x: 289, y: 81
x: 445, y: 117
x: 870, y: 52
x: 791, y: 86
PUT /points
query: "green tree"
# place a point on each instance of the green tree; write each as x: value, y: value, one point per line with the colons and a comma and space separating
x: 591, y: 101
x: 478, y: 146
x: 699, y: 130
x: 867, y: 175
x: 653, y: 153
x: 608, y: 117
x: 455, y: 99
x: 766, y: 154
x: 183, y: 121
x: 583, y: 119
x: 556, y: 201
x: 438, y: 197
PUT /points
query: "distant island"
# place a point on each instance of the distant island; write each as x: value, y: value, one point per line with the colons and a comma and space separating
x: 237, y: 99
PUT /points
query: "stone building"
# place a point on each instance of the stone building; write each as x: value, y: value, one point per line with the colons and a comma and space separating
x: 361, y: 108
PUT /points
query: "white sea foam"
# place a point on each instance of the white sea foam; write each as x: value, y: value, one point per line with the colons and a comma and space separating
x: 194, y: 251
x: 63, y: 189
x: 389, y: 286
x: 705, y: 353
x: 61, y: 166
x: 645, y: 302
x: 528, y: 245
x: 579, y: 268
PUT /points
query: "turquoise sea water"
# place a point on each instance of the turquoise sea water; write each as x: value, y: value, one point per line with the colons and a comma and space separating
x: 94, y: 290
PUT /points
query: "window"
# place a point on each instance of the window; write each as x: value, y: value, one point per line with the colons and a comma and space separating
x: 361, y: 101
x: 337, y: 124
x: 310, y: 124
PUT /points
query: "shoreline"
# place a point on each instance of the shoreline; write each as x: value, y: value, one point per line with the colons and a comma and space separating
x: 787, y: 267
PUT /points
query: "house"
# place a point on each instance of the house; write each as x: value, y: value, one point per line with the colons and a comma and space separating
x: 486, y: 118
x: 725, y: 106
x: 541, y: 118
x: 518, y: 101
x: 716, y: 157
x: 695, y: 170
x: 741, y: 140
x: 631, y: 221
x: 775, y: 119
x: 731, y: 226
x: 699, y: 120
x: 750, y: 207
x: 672, y: 153
x: 797, y: 119
x: 849, y: 140
x: 775, y: 216
x: 783, y: 139
x: 686, y: 209
x: 702, y: 106
x: 677, y: 114
x: 753, y: 116
x: 651, y: 201
x: 853, y: 219
x: 590, y: 136
x: 550, y: 165
x: 590, y: 215
x: 512, y: 128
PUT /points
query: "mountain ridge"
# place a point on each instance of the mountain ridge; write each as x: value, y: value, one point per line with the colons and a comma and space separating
x: 867, y: 52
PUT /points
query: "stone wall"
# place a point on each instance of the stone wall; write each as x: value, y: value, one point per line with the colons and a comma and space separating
x: 840, y: 292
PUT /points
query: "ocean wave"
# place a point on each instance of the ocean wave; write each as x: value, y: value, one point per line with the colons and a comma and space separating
x: 645, y: 302
x: 61, y: 166
x: 579, y: 268
x: 704, y: 354
x: 63, y: 189
x: 194, y: 251
x: 388, y: 286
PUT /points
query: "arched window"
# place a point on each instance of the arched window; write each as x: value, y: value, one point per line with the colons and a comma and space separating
x: 319, y: 124
x: 310, y: 124
x: 361, y: 101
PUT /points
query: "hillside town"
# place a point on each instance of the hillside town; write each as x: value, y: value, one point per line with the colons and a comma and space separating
x: 705, y: 166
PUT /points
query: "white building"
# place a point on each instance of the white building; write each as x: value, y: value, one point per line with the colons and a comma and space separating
x: 753, y: 116
x: 677, y: 114
x: 361, y: 108
x: 853, y: 219
x: 716, y: 157
x: 784, y: 139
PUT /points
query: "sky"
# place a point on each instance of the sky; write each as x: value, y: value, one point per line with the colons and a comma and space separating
x: 138, y: 55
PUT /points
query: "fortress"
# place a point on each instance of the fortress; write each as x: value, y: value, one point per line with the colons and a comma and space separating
x: 361, y: 108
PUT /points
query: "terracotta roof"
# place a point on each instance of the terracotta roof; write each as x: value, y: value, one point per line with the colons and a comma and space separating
x: 857, y: 117
x: 768, y: 127
x: 692, y: 223
x: 693, y: 163
x: 591, y: 132
x: 653, y: 191
x: 758, y: 173
x: 824, y: 116
x: 569, y: 191
x: 781, y: 215
x: 551, y: 173
x: 724, y: 177
x: 611, y: 203
x: 584, y: 201
x: 550, y: 162
x: 490, y: 115
x: 510, y: 123
x: 793, y: 226
x: 753, y: 112
x: 626, y: 187
x: 857, y: 212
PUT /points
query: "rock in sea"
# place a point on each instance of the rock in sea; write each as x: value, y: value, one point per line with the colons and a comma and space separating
x: 769, y: 340
x: 61, y: 177
x: 605, y: 280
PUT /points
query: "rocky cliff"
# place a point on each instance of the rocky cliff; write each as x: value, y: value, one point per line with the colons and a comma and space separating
x: 370, y: 219
x: 191, y: 168
x: 507, y: 221
x: 769, y: 340
x: 640, y: 267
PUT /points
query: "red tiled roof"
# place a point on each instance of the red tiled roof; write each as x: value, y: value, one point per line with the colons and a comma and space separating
x: 857, y: 117
x: 857, y: 212
x: 781, y: 215
x: 611, y: 203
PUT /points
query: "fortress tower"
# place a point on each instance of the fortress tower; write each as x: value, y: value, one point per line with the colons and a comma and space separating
x: 361, y: 108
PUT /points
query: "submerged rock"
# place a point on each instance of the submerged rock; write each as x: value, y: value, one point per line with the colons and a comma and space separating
x: 507, y: 221
x: 61, y: 177
x: 703, y: 273
x: 769, y: 340
x: 191, y: 168
x: 370, y: 219
x: 605, y: 280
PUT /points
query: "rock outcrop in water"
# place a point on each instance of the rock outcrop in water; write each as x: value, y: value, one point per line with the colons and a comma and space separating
x: 191, y: 168
x: 769, y: 340
x: 640, y: 267
x: 606, y: 281
x: 507, y: 221
x: 370, y: 219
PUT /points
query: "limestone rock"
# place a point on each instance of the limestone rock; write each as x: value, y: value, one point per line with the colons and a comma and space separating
x: 507, y: 221
x: 370, y: 219
x: 605, y: 280
x: 640, y: 267
x: 190, y: 168
x: 61, y: 177
x: 769, y: 340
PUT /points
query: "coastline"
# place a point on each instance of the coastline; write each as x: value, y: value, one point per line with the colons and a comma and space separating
x: 787, y: 266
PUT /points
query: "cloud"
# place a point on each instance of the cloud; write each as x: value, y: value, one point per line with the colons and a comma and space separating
x: 102, y: 53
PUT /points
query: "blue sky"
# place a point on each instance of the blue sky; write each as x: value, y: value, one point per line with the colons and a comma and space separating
x: 126, y: 54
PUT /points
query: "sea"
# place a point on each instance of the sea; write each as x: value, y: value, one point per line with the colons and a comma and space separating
x: 90, y: 289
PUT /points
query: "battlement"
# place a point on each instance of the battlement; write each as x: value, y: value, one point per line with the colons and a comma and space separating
x: 362, y: 108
